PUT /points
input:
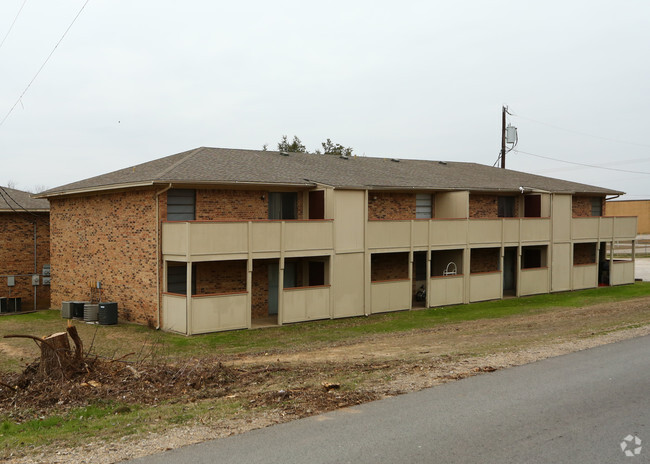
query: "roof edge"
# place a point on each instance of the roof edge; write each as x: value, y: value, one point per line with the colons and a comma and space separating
x: 97, y: 189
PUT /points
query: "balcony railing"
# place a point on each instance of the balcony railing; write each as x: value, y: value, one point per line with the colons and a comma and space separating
x: 446, y: 290
x: 456, y: 232
x: 585, y: 276
x: 222, y: 238
x: 533, y: 281
x: 306, y: 303
x: 600, y: 228
x: 622, y: 272
x: 210, y: 313
x: 390, y: 295
x: 485, y: 286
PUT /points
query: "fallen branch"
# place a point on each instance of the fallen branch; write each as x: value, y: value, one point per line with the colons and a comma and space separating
x: 8, y: 386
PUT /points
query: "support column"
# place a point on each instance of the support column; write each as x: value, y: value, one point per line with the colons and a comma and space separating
x: 411, y: 277
x: 249, y: 291
x: 188, y: 296
x: 428, y: 284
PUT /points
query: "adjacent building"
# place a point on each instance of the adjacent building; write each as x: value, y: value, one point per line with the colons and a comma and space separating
x: 217, y: 239
x: 24, y: 251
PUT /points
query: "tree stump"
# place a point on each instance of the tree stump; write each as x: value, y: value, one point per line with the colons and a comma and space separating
x: 55, y: 353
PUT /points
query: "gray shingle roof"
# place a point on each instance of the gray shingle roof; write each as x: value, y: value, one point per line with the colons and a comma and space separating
x: 230, y: 166
x: 12, y: 199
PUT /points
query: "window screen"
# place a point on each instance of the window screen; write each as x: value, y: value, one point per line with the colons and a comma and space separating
x: 423, y: 206
x: 506, y: 207
x: 180, y: 204
x: 596, y: 207
x: 177, y: 279
x: 283, y: 205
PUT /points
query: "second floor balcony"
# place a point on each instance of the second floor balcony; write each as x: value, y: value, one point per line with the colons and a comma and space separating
x: 456, y: 232
x: 203, y: 240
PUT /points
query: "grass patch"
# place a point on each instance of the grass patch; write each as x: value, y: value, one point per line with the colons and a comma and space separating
x: 131, y: 338
x: 101, y: 422
x: 339, y: 330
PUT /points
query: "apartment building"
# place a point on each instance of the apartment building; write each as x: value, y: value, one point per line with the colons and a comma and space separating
x: 218, y: 239
x: 24, y: 251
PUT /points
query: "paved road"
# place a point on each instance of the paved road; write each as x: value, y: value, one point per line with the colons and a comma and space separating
x: 576, y: 408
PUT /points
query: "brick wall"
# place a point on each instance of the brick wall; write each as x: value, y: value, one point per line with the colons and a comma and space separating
x: 231, y: 204
x: 389, y: 266
x: 582, y: 206
x: 220, y: 277
x: 109, y: 238
x: 487, y: 206
x: 483, y: 206
x: 584, y: 253
x: 484, y: 259
x: 17, y: 256
x: 224, y: 204
x: 391, y: 205
x: 260, y: 291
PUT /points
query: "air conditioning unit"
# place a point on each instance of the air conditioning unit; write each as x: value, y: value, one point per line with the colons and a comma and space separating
x: 66, y: 309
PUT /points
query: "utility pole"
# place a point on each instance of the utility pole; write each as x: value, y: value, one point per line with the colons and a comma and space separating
x: 503, y: 137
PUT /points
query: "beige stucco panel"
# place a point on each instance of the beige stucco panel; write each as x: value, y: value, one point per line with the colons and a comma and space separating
x: 485, y: 286
x: 585, y: 276
x: 389, y: 234
x: 350, y: 220
x: 511, y: 230
x: 174, y: 238
x: 174, y: 313
x: 535, y: 230
x: 305, y: 304
x: 449, y: 232
x: 390, y: 296
x: 546, y: 205
x: 223, y: 312
x: 625, y: 228
x: 533, y: 281
x: 446, y: 290
x: 485, y: 231
x: 266, y: 236
x: 640, y: 208
x: 622, y: 273
x: 348, y: 285
x: 305, y: 235
x: 562, y: 213
x: 217, y: 237
x: 561, y: 267
x: 452, y: 204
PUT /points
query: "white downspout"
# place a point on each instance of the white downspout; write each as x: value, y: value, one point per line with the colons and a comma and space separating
x: 158, y: 253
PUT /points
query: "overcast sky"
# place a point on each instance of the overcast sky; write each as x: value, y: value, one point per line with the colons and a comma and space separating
x: 137, y: 80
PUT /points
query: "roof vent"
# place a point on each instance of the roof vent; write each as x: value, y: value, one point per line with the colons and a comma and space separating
x: 284, y: 153
x: 344, y: 157
x: 444, y: 163
x: 395, y: 160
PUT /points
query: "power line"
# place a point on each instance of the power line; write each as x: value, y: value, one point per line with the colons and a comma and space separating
x: 12, y: 24
x: 580, y: 164
x: 43, y: 65
x: 2, y: 189
x: 584, y: 134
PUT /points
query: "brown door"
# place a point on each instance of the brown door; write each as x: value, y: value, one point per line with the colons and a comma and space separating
x: 317, y: 204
